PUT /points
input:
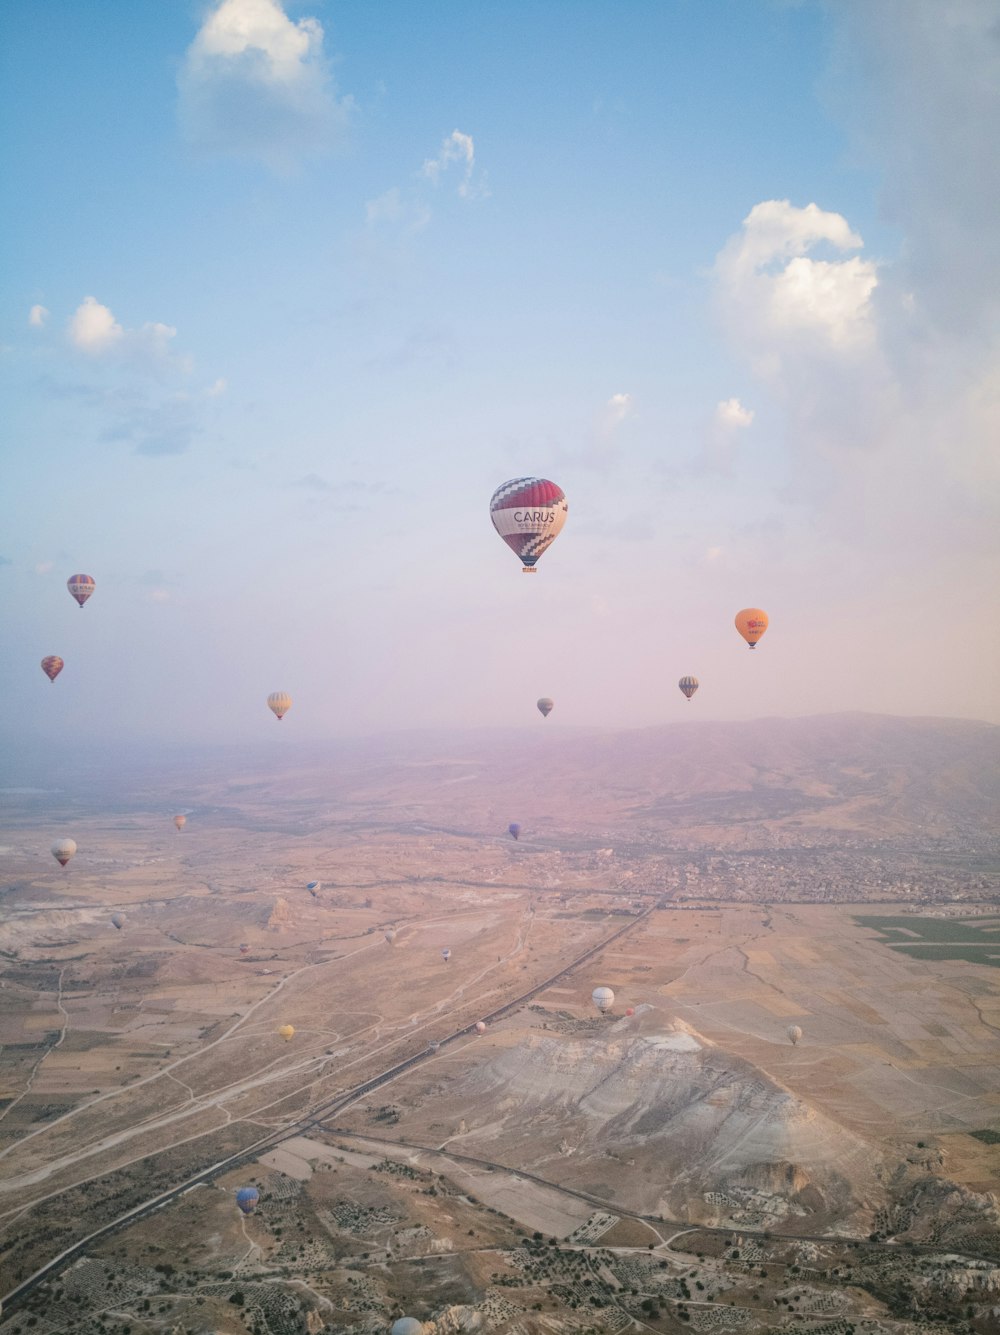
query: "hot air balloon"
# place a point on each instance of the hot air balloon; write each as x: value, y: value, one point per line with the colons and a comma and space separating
x: 180, y: 822
x: 630, y: 1010
x: 406, y: 1325
x: 63, y: 850
x: 688, y: 685
x: 603, y: 998
x: 480, y: 1026
x: 390, y: 934
x: 314, y: 888
x: 81, y: 587
x: 446, y: 954
x: 545, y: 706
x: 287, y: 1032
x: 513, y: 829
x: 279, y: 703
x: 751, y: 624
x: 244, y: 948
x: 247, y: 1198
x: 118, y: 920
x: 794, y: 1033
x: 52, y: 666
x: 528, y: 513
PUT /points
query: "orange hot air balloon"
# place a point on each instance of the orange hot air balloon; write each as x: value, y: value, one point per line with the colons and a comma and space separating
x: 180, y: 822
x: 52, y: 666
x: 751, y: 624
x: 287, y: 1032
x: 81, y: 587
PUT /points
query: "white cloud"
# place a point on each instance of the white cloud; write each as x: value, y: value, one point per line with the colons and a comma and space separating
x: 216, y: 388
x: 731, y: 415
x: 770, y: 283
x: 44, y: 567
x: 618, y: 407
x: 720, y: 436
x: 37, y: 317
x: 93, y: 329
x: 458, y: 147
x: 256, y: 83
x: 715, y: 553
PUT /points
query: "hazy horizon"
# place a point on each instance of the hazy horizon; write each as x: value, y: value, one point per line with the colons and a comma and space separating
x: 294, y: 287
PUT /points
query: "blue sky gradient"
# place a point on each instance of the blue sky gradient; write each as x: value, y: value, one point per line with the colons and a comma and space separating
x: 352, y: 271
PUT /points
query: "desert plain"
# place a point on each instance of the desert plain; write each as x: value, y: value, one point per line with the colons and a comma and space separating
x: 677, y: 1163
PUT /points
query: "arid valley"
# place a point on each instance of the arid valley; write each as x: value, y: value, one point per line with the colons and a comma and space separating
x: 677, y: 1163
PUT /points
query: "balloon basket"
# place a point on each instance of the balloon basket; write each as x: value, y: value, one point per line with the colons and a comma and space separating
x: 528, y: 570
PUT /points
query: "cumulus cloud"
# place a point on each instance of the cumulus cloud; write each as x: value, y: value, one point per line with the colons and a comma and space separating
x: 781, y: 292
x: 721, y: 436
x: 37, y: 317
x: 919, y: 87
x: 618, y: 407
x: 93, y: 329
x: 257, y: 84
x: 730, y: 415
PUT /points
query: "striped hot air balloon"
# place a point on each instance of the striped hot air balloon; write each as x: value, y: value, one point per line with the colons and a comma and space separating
x: 81, y: 587
x: 688, y: 685
x: 545, y: 706
x: 528, y: 513
x: 52, y: 666
x: 279, y: 703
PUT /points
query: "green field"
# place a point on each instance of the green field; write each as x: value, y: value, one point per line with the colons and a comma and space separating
x: 976, y: 940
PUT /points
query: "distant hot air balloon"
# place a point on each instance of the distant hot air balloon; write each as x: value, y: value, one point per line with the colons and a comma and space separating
x: 81, y: 587
x: 52, y: 666
x: 279, y: 703
x: 244, y: 948
x: 287, y: 1032
x: 794, y: 1033
x: 528, y: 513
x: 513, y: 829
x: 630, y: 1010
x: 688, y: 685
x: 247, y: 1198
x: 446, y: 954
x: 545, y: 706
x: 118, y: 920
x: 390, y: 934
x: 751, y: 624
x: 63, y: 850
x: 603, y: 998
x: 480, y: 1026
x: 406, y: 1325
x: 180, y: 822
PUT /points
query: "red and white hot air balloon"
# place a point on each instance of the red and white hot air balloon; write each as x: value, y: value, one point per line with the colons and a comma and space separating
x: 528, y: 513
x: 81, y: 587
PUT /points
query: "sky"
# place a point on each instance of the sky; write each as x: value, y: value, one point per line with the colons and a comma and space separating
x: 293, y: 287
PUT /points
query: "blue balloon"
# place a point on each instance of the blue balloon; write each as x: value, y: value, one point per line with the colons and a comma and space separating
x: 247, y: 1198
x: 513, y: 829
